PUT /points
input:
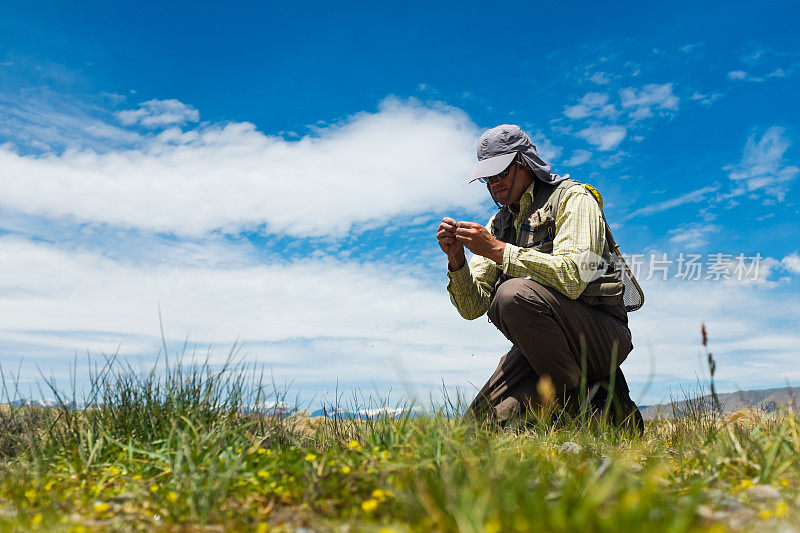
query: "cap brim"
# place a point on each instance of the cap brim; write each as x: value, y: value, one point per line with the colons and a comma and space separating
x: 492, y: 166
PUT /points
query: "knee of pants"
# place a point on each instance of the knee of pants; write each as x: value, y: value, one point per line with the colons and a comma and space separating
x: 509, y: 296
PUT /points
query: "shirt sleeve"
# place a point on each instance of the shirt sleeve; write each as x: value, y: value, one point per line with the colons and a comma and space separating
x: 579, y: 229
x: 471, y: 286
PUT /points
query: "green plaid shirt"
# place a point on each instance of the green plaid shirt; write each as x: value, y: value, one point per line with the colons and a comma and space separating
x: 579, y: 227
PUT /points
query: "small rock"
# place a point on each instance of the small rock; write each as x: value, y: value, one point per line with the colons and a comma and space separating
x: 763, y: 492
x: 725, y: 501
x: 570, y: 447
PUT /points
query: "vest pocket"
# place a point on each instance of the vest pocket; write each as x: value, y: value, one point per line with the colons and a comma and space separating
x: 608, y: 289
x: 540, y: 235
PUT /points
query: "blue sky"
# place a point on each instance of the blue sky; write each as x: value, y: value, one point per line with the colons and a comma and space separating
x: 275, y: 175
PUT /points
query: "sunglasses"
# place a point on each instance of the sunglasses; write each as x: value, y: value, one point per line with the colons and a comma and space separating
x: 502, y: 175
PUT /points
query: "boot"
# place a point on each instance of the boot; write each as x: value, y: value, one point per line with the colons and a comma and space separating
x: 622, y: 409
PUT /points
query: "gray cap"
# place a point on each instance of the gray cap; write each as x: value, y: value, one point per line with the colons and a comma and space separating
x: 498, y: 147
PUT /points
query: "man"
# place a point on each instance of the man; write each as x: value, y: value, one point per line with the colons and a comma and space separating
x: 545, y: 273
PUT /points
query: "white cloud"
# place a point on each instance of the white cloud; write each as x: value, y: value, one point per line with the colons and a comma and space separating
x: 321, y: 319
x: 591, y: 105
x: 697, y: 195
x: 603, y: 137
x: 642, y: 101
x: 545, y: 147
x: 407, y: 158
x: 42, y: 121
x: 159, y: 113
x: 578, y: 157
x: 693, y: 236
x: 752, y: 349
x: 316, y: 320
x: 791, y: 263
x: 705, y: 99
x: 742, y: 75
x: 600, y: 78
x: 762, y: 168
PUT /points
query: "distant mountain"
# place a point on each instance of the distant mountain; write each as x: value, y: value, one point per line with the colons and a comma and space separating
x: 767, y: 400
x: 24, y: 402
x: 385, y: 411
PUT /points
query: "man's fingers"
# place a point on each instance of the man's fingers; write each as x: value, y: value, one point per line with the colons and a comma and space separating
x: 448, y: 220
x: 465, y: 224
x: 448, y: 226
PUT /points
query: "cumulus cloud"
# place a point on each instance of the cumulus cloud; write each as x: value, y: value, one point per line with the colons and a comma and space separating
x: 641, y: 102
x: 591, y: 105
x: 605, y: 138
x: 762, y: 169
x: 791, y: 263
x: 159, y: 113
x: 407, y: 158
x: 321, y: 319
x: 752, y: 349
x: 693, y: 236
x: 705, y: 99
x: 578, y: 157
x: 741, y: 75
x: 315, y: 320
x: 600, y: 78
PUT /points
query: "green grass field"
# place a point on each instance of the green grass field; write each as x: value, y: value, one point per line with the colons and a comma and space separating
x: 173, y: 451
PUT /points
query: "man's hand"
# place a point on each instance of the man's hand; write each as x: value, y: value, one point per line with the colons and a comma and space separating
x: 479, y: 241
x: 446, y: 234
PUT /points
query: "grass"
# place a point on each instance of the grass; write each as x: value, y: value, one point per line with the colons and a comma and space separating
x: 177, y: 449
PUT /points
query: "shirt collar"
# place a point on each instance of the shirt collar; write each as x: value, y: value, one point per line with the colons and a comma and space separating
x: 527, y: 197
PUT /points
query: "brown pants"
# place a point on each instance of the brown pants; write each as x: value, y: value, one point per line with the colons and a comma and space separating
x: 549, y: 333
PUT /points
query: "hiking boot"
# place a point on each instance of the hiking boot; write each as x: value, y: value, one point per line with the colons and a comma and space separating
x: 621, y: 408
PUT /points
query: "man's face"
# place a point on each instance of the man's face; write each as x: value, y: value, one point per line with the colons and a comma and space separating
x: 510, y: 188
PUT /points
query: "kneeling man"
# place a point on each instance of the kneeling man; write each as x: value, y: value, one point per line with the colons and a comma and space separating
x: 529, y: 272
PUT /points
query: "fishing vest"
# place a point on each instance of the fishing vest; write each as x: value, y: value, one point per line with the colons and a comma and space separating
x: 537, y: 232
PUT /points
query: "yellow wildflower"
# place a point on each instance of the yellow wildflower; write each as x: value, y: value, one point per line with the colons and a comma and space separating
x: 746, y: 483
x: 346, y: 469
x: 784, y: 482
x: 764, y: 514
x: 262, y: 527
x: 30, y: 494
x: 172, y: 496
x: 493, y: 525
x: 262, y: 474
x: 37, y: 519
x: 311, y: 457
x: 153, y: 488
x: 262, y: 451
x: 369, y: 505
x: 49, y: 485
x: 380, y: 494
x: 354, y: 445
x: 781, y: 510
x: 137, y: 477
x: 101, y: 507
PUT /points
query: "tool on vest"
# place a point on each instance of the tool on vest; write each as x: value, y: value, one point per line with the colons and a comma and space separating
x: 633, y: 296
